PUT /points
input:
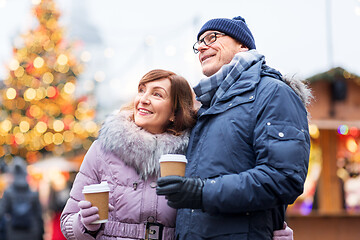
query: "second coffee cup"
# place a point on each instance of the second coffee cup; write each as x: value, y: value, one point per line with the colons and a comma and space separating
x: 172, y: 164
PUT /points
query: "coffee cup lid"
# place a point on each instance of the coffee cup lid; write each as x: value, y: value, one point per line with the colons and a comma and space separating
x: 173, y: 158
x: 94, y: 188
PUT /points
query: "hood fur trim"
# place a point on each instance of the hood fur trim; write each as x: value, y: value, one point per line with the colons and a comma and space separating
x: 137, y: 147
x: 301, y: 89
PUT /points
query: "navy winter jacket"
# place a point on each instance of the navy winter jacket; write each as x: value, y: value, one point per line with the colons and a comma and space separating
x: 252, y: 148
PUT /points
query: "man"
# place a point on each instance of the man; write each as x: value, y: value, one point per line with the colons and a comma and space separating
x: 249, y: 150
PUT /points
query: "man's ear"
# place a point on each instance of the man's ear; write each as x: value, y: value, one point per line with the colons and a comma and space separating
x: 242, y: 48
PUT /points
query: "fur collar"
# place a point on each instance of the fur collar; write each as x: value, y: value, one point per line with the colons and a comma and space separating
x: 137, y: 147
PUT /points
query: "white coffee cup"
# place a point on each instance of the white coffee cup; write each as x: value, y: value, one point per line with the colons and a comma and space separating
x: 172, y: 164
x: 98, y: 195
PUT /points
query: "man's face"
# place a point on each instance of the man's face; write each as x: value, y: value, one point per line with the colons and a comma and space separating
x: 219, y: 53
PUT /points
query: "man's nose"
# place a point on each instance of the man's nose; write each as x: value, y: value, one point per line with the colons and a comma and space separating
x: 202, y: 47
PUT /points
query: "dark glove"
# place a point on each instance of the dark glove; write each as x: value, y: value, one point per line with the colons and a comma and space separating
x: 181, y: 192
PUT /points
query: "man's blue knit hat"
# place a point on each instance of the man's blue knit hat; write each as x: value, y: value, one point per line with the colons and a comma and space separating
x: 235, y: 28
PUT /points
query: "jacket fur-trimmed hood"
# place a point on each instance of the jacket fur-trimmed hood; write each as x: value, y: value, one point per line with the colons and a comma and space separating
x: 137, y: 147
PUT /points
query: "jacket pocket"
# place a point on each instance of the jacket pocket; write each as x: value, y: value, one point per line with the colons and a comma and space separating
x: 286, y: 147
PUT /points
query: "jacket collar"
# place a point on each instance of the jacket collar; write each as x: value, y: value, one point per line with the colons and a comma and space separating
x: 243, y: 89
x: 137, y: 147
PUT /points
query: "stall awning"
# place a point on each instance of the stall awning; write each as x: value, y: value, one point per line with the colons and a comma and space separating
x: 334, y: 124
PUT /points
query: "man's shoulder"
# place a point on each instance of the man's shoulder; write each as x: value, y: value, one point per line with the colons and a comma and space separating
x: 271, y: 81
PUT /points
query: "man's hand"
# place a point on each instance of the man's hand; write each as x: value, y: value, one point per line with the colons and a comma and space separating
x: 284, y: 234
x: 181, y: 192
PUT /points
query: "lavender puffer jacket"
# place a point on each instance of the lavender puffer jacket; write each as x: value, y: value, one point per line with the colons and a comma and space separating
x: 125, y: 156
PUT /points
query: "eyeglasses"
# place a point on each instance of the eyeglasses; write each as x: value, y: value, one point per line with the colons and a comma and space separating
x: 207, y: 40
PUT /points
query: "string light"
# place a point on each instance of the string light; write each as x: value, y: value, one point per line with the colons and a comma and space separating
x: 41, y: 113
x: 10, y: 93
x: 38, y: 62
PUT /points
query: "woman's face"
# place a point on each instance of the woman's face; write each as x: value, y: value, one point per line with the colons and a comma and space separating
x: 153, y: 107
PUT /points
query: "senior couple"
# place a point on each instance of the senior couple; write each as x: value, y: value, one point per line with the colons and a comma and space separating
x: 247, y: 148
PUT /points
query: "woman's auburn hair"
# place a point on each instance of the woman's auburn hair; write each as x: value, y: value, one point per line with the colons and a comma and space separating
x: 182, y: 100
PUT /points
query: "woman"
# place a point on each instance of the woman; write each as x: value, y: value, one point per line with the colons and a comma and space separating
x: 126, y: 156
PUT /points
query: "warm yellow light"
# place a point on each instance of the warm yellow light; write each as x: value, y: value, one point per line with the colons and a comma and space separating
x: 6, y: 125
x: 41, y: 127
x: 69, y: 88
x: 48, y: 138
x: 51, y: 92
x: 13, y: 65
x: 91, y: 127
x: 47, y: 78
x: 58, y: 126
x: 68, y: 136
x: 351, y: 145
x: 35, y: 111
x: 82, y: 107
x: 19, y: 72
x: 11, y: 93
x: 38, y: 62
x: 24, y: 126
x: 36, y: 143
x: 48, y: 46
x: 62, y: 68
x: 58, y: 138
x: 78, y: 128
x: 314, y: 131
x: 40, y: 93
x: 20, y: 103
x: 19, y: 138
x: 51, y: 23
x: 29, y: 94
x: 62, y: 59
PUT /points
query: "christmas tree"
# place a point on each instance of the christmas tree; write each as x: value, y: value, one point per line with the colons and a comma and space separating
x: 39, y: 113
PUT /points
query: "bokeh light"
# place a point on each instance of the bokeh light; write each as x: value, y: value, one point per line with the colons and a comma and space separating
x: 351, y: 145
x: 343, y: 129
x: 85, y: 56
x: 62, y: 59
x: 38, y: 62
x: 10, y: 93
x: 14, y: 64
x: 314, y: 131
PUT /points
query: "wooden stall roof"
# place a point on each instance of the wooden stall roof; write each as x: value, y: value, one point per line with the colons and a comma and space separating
x: 334, y: 124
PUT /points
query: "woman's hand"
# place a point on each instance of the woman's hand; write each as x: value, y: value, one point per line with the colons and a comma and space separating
x: 89, y: 214
x: 284, y: 234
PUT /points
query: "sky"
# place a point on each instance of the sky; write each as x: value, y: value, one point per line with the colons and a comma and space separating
x: 299, y: 38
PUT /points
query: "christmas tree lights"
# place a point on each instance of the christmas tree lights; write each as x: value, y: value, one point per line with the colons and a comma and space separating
x: 39, y: 113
